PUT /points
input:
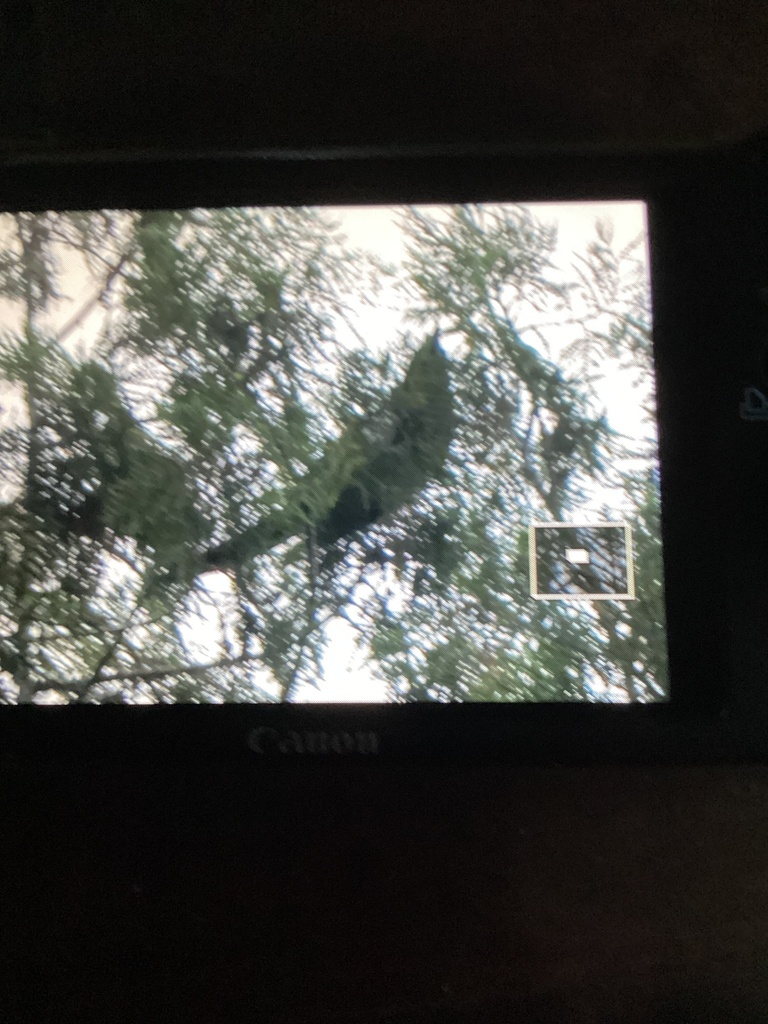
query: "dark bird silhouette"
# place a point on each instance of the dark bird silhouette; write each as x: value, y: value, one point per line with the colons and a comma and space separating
x: 228, y: 331
x: 379, y: 464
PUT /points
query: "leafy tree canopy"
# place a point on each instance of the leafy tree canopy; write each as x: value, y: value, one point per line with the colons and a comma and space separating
x: 208, y: 437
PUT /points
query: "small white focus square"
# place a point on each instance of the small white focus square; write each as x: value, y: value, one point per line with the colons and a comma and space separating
x: 577, y: 556
x: 581, y: 561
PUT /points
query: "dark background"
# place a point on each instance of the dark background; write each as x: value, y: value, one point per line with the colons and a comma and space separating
x: 232, y: 75
x: 414, y: 892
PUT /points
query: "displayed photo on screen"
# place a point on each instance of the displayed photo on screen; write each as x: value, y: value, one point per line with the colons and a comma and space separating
x: 332, y: 454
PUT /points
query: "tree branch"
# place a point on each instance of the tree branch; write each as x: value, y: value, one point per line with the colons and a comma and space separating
x: 311, y: 627
x: 111, y: 649
x: 96, y: 299
x: 30, y: 542
x: 144, y: 675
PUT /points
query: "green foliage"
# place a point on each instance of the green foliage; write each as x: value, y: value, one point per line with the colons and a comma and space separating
x: 16, y: 359
x: 530, y: 445
x: 218, y: 406
x: 153, y: 503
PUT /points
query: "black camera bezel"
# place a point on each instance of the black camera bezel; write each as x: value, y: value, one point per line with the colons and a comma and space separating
x: 696, y: 724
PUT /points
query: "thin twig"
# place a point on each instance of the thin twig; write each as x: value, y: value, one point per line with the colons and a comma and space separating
x: 112, y: 648
x: 145, y: 675
x: 79, y: 317
x: 311, y: 627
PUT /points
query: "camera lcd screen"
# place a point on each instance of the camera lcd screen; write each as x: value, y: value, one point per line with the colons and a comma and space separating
x: 334, y: 454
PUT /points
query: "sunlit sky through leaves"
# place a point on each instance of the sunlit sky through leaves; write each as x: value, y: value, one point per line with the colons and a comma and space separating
x: 375, y: 229
x: 619, y: 392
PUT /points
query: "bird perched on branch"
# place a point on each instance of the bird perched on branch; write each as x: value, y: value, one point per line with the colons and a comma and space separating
x: 379, y: 464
